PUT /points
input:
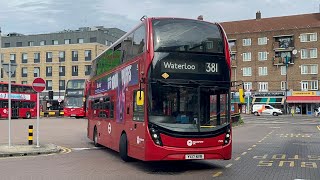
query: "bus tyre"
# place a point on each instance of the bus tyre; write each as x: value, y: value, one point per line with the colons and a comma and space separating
x: 123, y: 148
x: 256, y: 113
x: 95, y: 137
x: 28, y: 115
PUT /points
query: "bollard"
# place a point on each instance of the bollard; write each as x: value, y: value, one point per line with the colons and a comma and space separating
x: 30, y: 134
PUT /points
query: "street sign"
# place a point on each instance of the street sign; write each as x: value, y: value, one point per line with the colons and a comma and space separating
x: 59, y: 100
x: 38, y: 84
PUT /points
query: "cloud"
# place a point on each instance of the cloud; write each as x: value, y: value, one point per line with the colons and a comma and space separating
x: 39, y: 16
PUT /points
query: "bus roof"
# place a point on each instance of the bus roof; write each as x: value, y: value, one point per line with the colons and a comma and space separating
x: 17, y: 84
x: 139, y: 24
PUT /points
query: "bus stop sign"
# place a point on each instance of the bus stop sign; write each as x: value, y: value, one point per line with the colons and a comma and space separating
x: 38, y: 84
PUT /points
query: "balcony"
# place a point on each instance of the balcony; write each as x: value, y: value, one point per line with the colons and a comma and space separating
x: 278, y: 61
x: 283, y: 44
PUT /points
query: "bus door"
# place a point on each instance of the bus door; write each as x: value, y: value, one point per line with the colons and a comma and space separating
x: 15, y: 109
x: 136, y: 125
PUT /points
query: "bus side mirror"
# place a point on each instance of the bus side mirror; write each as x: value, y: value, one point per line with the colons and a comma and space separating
x: 140, y: 98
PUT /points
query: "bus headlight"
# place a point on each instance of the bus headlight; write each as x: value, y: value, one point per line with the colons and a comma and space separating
x: 228, y: 136
x: 155, y: 136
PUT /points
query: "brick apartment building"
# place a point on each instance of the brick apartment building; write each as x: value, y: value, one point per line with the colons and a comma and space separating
x: 261, y: 47
x: 56, y: 57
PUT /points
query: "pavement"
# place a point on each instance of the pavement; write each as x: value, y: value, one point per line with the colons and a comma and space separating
x: 25, y: 150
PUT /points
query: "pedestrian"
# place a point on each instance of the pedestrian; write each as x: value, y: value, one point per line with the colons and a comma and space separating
x: 292, y: 111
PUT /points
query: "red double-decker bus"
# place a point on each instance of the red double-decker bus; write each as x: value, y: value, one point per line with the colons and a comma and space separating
x: 162, y: 92
x: 75, y: 98
x: 23, y: 101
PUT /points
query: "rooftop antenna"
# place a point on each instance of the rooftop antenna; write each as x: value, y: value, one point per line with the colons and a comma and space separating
x: 143, y: 18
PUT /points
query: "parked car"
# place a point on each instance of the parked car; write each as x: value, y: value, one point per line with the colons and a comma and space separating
x: 265, y: 109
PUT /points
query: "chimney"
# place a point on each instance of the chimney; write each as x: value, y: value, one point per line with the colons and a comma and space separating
x: 200, y: 18
x: 258, y: 15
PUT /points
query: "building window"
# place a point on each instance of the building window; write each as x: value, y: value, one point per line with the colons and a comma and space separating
x: 93, y: 39
x: 283, y: 85
x: 67, y: 41
x: 74, y: 70
x: 62, y: 56
x: 232, y: 44
x: 108, y: 43
x: 80, y: 40
x: 12, y: 58
x: 49, y: 71
x: 24, y: 58
x: 263, y: 71
x: 36, y: 72
x: 49, y: 84
x: 30, y: 43
x: 55, y: 42
x: 309, y: 85
x: 283, y: 70
x: 246, y: 71
x: 36, y: 57
x: 42, y: 43
x: 263, y: 86
x: 6, y: 44
x: 246, y: 42
x: 247, y: 86
x: 74, y: 55
x: 24, y: 82
x: 49, y: 57
x: 87, y: 54
x: 262, y: 41
x: 24, y: 72
x: 87, y: 70
x: 308, y: 37
x: 309, y: 69
x: 262, y: 56
x: 62, y: 84
x: 62, y: 70
x: 309, y: 53
x: 19, y: 44
x: 246, y: 56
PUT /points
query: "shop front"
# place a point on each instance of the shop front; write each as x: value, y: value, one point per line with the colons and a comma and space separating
x: 303, y: 102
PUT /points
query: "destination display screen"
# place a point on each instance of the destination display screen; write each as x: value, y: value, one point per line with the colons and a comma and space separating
x: 189, y: 67
x: 74, y: 92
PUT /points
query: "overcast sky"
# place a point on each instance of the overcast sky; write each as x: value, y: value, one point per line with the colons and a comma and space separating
x: 45, y: 16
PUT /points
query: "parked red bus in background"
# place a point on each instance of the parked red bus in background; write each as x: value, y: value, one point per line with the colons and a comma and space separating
x: 154, y: 91
x: 75, y: 98
x: 23, y: 101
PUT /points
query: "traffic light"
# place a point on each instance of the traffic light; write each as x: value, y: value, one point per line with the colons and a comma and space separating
x: 241, y: 96
x: 50, y: 94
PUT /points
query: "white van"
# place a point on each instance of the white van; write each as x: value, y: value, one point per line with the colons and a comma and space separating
x: 264, y: 109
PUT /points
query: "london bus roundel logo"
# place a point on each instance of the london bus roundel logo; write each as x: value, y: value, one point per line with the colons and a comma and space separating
x: 189, y: 142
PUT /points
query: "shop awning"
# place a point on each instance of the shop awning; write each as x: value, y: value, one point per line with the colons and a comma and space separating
x: 303, y: 99
x: 268, y: 100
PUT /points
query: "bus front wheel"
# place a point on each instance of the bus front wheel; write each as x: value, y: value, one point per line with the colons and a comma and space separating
x: 123, y: 148
x: 28, y: 115
x: 95, y: 137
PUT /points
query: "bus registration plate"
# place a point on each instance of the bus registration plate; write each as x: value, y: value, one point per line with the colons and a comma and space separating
x: 73, y: 115
x: 194, y: 156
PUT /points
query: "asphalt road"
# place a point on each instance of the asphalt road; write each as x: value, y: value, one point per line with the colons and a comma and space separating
x: 265, y: 147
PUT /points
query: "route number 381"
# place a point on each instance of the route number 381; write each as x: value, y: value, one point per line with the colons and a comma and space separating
x: 211, y: 67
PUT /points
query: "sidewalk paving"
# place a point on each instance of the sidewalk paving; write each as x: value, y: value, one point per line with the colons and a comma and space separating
x: 25, y: 150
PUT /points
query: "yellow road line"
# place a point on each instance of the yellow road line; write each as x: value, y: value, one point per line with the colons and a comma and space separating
x: 244, y: 153
x: 238, y: 158
x: 217, y: 174
x: 229, y: 165
x: 318, y: 128
x: 249, y: 149
x: 254, y: 145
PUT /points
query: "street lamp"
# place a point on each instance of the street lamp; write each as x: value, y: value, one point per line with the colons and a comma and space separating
x: 9, y: 68
x: 286, y: 86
